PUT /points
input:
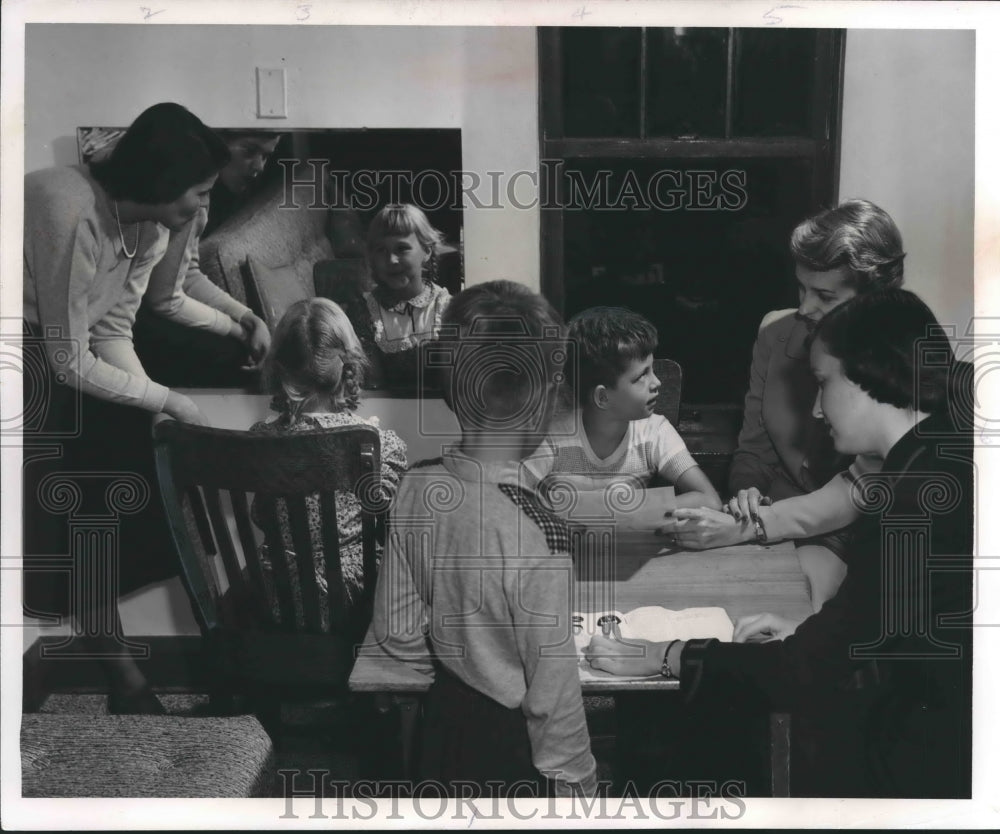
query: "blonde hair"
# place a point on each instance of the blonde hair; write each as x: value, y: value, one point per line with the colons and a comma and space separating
x: 406, y: 219
x: 315, y: 358
x: 857, y: 235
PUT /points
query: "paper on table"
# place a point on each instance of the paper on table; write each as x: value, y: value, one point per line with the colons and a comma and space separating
x: 652, y: 623
x: 632, y: 510
x: 657, y: 624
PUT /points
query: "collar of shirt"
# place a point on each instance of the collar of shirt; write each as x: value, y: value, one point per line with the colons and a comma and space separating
x: 421, y: 300
x: 466, y: 468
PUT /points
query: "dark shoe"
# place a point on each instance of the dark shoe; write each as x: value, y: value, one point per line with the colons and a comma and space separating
x: 143, y: 702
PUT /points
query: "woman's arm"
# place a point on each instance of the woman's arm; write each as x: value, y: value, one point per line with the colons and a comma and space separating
x: 179, y: 291
x: 827, y: 509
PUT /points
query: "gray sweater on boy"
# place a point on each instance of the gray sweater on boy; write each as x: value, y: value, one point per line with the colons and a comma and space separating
x: 479, y: 573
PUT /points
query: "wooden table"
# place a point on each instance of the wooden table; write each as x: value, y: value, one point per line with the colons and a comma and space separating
x: 749, y: 579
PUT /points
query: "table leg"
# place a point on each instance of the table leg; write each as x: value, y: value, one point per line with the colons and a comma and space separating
x: 780, y: 754
x: 409, y: 708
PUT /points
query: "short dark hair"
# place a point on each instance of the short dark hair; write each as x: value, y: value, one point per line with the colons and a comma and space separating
x: 507, y: 344
x: 165, y: 151
x: 857, y: 235
x: 606, y: 340
x: 891, y: 345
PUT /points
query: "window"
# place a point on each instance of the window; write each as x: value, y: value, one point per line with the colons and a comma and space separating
x: 680, y: 161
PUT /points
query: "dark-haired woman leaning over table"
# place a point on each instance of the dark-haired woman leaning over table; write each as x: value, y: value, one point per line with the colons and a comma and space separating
x: 91, y: 239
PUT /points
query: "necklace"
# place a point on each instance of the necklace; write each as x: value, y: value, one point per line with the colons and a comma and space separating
x: 122, y: 236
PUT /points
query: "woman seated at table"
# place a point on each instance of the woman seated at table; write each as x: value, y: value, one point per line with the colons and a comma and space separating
x: 910, y: 733
x: 782, y: 450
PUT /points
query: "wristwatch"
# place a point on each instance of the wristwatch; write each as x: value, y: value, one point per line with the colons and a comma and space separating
x: 758, y: 528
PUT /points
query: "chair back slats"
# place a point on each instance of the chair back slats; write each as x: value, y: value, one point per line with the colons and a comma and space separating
x: 369, y: 564
x: 230, y: 562
x: 184, y: 531
x: 207, y: 478
x: 201, y: 521
x: 241, y: 511
x: 668, y: 399
x: 281, y: 577
x: 372, y: 498
x: 334, y: 569
x: 298, y: 522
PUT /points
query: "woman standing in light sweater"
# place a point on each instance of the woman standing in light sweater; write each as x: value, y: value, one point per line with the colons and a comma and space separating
x: 91, y: 239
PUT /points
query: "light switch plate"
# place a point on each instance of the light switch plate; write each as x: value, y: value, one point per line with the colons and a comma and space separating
x: 271, y: 94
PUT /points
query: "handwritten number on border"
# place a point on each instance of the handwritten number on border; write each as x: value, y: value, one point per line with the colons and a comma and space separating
x: 773, y: 19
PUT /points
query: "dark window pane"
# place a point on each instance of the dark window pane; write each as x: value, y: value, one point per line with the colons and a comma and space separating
x: 686, y: 81
x: 704, y: 267
x: 774, y: 81
x: 601, y: 81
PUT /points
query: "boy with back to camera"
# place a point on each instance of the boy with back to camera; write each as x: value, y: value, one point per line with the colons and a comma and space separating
x: 476, y: 582
x: 613, y: 434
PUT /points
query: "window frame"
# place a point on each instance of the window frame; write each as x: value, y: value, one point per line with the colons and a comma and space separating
x: 821, y: 148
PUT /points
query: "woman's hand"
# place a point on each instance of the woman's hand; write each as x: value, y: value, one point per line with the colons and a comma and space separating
x: 703, y: 528
x: 183, y: 409
x: 257, y: 338
x: 746, y: 504
x: 760, y: 628
x: 625, y: 657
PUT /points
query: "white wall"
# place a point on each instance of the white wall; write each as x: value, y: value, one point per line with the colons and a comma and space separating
x: 482, y: 80
x: 908, y: 144
x: 907, y: 140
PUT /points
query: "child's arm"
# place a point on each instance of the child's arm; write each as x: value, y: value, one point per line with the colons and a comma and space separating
x: 675, y: 464
x: 393, y: 461
x: 539, y: 594
x: 693, y: 489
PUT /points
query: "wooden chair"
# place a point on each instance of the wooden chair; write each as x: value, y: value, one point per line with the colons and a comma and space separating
x: 668, y: 401
x: 249, y: 652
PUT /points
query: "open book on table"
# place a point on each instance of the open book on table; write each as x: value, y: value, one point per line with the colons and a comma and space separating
x: 650, y: 622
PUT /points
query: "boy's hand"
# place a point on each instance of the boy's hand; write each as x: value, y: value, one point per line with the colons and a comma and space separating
x: 746, y: 504
x: 620, y: 657
x: 703, y: 528
x: 761, y: 628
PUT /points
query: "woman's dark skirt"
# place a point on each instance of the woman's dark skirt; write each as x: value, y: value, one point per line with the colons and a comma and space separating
x: 467, y: 737
x: 89, y: 481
